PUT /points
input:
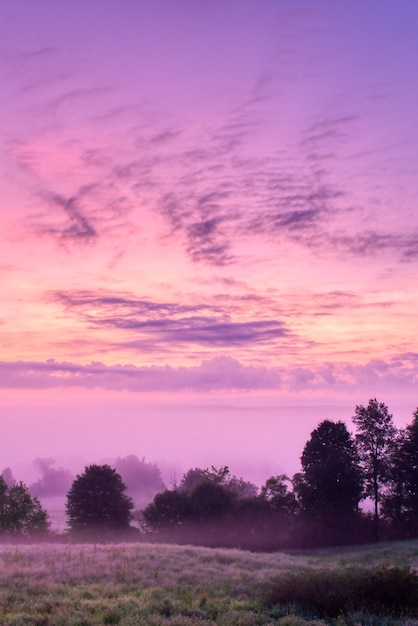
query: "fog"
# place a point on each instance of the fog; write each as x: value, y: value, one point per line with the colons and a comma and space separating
x: 253, y: 438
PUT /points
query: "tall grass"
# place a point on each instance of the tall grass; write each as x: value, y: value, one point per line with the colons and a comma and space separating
x: 133, y: 584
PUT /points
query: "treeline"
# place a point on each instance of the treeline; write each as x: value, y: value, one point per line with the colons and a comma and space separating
x: 319, y: 506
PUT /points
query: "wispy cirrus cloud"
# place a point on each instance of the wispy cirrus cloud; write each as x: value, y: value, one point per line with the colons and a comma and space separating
x: 371, y: 243
x: 77, y: 226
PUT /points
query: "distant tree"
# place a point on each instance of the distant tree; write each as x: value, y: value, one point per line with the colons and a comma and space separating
x: 400, y: 501
x: 222, y: 476
x: 376, y: 435
x: 330, y: 487
x: 97, y: 503
x: 53, y: 481
x: 204, y: 497
x: 20, y: 514
x: 8, y: 477
x: 142, y: 479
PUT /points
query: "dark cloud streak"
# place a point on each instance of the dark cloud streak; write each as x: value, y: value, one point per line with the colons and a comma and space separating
x: 78, y: 226
x: 169, y: 323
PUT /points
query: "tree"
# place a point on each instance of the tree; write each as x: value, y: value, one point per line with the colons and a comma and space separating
x: 8, y: 477
x: 54, y: 481
x: 276, y: 492
x: 330, y: 487
x: 168, y: 510
x: 97, y: 503
x: 400, y: 502
x: 240, y: 487
x: 20, y: 513
x: 211, y: 500
x: 192, y: 478
x: 375, y: 439
x: 142, y: 479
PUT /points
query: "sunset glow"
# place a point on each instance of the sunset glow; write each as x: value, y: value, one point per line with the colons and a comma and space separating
x: 204, y: 205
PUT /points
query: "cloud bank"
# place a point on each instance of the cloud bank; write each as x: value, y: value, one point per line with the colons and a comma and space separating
x: 217, y: 374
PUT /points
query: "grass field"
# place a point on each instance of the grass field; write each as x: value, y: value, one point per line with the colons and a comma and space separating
x: 133, y: 584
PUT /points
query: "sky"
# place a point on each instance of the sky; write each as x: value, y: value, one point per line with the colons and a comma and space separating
x: 208, y: 225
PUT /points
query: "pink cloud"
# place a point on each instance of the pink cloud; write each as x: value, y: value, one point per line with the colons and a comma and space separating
x: 217, y: 374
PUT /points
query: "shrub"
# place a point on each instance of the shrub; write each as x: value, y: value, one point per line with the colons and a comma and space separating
x: 330, y: 593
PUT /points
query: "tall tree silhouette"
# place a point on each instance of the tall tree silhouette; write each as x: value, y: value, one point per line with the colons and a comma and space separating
x: 375, y: 437
x: 400, y: 503
x: 331, y: 480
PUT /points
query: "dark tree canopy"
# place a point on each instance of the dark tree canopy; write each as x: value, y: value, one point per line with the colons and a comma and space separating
x: 211, y: 500
x: 192, y: 478
x: 331, y: 483
x: 97, y: 503
x: 400, y: 502
x: 169, y: 510
x: 20, y: 514
x: 376, y: 435
x: 276, y: 492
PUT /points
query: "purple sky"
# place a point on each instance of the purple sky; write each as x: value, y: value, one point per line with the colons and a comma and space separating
x: 208, y: 214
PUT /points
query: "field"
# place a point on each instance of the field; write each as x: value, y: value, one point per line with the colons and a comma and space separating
x: 132, y: 584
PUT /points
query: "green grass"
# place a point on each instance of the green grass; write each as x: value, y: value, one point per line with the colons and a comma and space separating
x: 134, y: 584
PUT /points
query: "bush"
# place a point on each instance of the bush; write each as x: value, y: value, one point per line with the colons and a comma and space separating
x: 330, y: 593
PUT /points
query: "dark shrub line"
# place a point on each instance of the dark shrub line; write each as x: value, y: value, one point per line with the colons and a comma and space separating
x: 329, y: 593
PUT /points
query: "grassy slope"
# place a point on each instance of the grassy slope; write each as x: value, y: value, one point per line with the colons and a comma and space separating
x: 132, y: 584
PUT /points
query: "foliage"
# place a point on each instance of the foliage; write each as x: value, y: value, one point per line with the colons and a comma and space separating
x: 20, y: 514
x: 210, y: 500
x: 191, y: 479
x: 330, y: 593
x: 330, y: 487
x: 275, y: 491
x: 375, y: 440
x: 168, y: 510
x: 400, y: 502
x: 210, y: 507
x: 220, y: 476
x: 97, y: 503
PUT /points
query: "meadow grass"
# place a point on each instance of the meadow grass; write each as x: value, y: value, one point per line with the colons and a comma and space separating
x: 156, y: 584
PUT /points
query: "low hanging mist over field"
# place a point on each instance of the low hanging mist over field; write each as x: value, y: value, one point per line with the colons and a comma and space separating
x: 254, y: 439
x: 214, y: 435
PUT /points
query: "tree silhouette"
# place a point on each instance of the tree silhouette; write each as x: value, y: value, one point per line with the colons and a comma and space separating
x: 375, y: 439
x: 330, y: 487
x: 19, y: 512
x: 168, y: 511
x: 400, y: 502
x: 97, y: 503
x: 276, y: 492
x: 211, y: 500
x: 142, y: 479
x: 54, y: 481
